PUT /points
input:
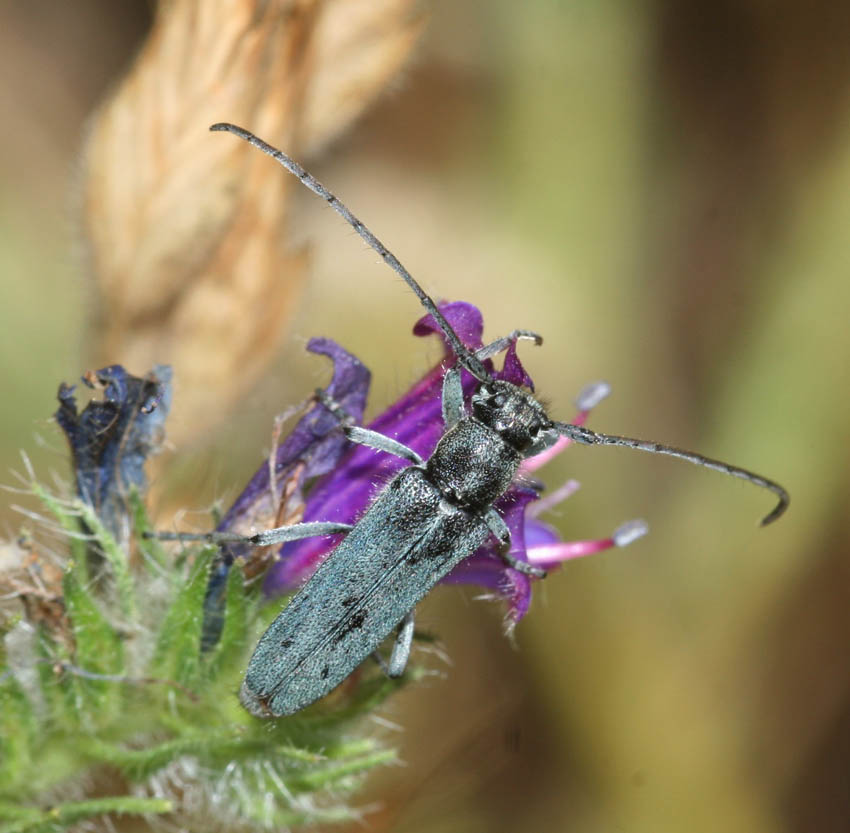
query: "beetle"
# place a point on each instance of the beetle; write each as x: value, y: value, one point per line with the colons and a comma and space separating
x: 430, y: 517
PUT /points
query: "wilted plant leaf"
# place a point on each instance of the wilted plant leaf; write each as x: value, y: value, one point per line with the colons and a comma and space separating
x: 187, y: 233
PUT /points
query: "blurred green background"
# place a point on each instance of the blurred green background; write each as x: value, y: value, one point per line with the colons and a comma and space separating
x: 663, y: 191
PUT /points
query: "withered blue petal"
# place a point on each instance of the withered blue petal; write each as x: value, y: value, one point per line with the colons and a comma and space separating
x: 111, y: 439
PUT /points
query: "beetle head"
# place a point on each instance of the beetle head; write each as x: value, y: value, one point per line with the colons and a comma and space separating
x: 513, y: 413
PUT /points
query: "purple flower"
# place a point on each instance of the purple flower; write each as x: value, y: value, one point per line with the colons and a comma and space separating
x: 354, y: 476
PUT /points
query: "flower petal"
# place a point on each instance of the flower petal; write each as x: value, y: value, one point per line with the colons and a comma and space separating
x: 112, y: 438
x: 315, y: 441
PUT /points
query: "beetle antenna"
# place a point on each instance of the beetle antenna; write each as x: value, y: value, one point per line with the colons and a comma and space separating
x: 580, y: 434
x: 464, y: 355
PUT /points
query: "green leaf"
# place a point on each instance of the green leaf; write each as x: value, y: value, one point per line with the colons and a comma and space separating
x: 177, y: 653
x: 115, y: 557
x: 99, y: 649
x: 331, y: 774
x: 17, y: 728
x: 221, y: 746
x: 53, y: 689
x: 32, y: 820
x: 70, y: 522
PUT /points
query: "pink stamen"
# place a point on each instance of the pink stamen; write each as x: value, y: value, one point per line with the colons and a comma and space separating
x: 545, y: 503
x: 550, y: 555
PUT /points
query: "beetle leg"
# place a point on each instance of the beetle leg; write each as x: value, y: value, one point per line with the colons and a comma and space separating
x: 364, y: 436
x: 278, y: 535
x: 401, y: 649
x: 500, y: 344
x: 453, y: 410
x: 380, y: 442
x: 502, y: 534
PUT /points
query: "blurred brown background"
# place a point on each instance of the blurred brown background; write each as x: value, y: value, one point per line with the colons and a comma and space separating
x: 663, y: 190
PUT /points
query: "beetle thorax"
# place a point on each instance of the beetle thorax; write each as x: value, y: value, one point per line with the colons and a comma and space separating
x: 476, y: 460
x: 472, y: 465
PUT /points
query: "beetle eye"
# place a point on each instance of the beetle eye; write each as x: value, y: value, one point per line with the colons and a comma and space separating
x: 499, y: 400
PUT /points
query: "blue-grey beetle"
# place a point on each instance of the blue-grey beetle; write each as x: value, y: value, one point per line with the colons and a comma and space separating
x: 431, y: 516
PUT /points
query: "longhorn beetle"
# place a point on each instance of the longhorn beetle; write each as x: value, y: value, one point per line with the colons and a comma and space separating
x: 431, y: 516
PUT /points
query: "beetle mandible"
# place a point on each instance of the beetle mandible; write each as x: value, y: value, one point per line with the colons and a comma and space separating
x: 430, y: 517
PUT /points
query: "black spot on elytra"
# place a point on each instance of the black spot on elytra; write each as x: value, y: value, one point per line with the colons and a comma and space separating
x: 286, y: 643
x: 325, y: 671
x: 354, y: 622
